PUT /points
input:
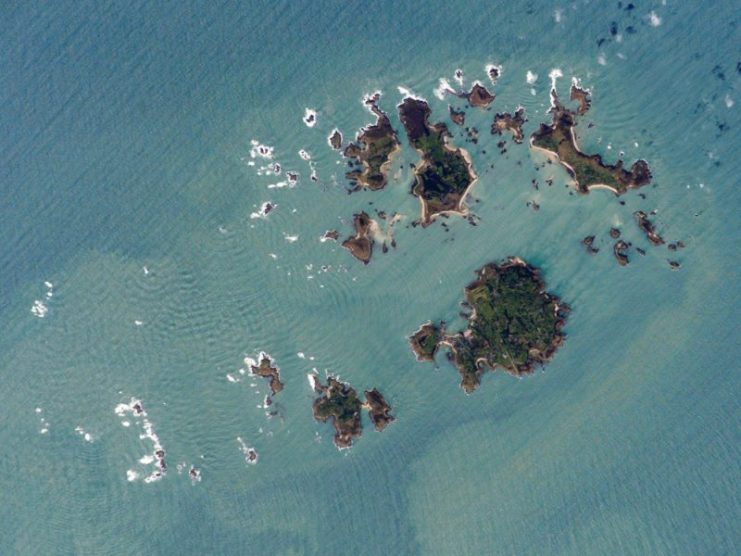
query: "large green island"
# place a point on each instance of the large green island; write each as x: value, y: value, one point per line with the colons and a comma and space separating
x: 513, y: 324
x: 588, y: 171
x: 445, y: 174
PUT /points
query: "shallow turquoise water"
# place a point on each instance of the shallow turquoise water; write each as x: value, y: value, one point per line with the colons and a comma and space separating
x: 126, y: 139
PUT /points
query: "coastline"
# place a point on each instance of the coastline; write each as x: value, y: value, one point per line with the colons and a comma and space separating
x: 461, y: 209
x: 572, y: 173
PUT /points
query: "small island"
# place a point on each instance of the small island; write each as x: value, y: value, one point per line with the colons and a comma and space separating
x: 620, y: 251
x: 478, y: 96
x: 378, y: 409
x: 581, y: 96
x: 372, y: 151
x: 329, y: 235
x: 339, y: 403
x: 508, y: 122
x: 588, y: 243
x: 361, y: 244
x: 458, y: 117
x: 426, y: 341
x: 513, y: 324
x: 335, y: 139
x: 588, y: 171
x: 645, y: 224
x: 445, y: 174
x: 266, y: 369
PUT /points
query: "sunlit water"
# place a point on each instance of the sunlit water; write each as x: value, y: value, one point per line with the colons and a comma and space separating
x: 126, y: 186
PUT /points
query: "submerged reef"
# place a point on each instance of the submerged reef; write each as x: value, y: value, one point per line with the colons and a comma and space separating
x: 339, y: 403
x: 445, y: 174
x: 588, y: 171
x: 513, y: 324
x: 372, y: 150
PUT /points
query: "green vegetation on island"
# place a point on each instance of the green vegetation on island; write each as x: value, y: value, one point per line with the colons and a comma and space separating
x: 378, y: 408
x: 588, y: 171
x: 372, y: 151
x: 339, y: 403
x: 445, y: 174
x: 426, y: 341
x: 514, y: 324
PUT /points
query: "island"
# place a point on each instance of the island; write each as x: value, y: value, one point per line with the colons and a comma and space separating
x: 588, y: 171
x: 508, y: 122
x: 620, y: 250
x: 335, y: 139
x: 426, y: 341
x: 266, y: 369
x: 478, y: 96
x: 378, y: 409
x: 647, y: 227
x: 329, y: 235
x: 361, y: 244
x: 588, y: 243
x: 493, y: 71
x: 445, y: 174
x: 581, y: 96
x: 339, y: 403
x: 458, y: 117
x: 513, y: 324
x: 372, y: 150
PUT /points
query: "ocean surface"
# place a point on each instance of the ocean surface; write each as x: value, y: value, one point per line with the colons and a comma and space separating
x: 130, y: 267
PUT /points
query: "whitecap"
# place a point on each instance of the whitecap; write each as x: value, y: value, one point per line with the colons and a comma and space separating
x: 531, y: 77
x: 261, y: 151
x: 458, y: 76
x: 264, y: 210
x: 443, y: 88
x: 494, y: 71
x: 309, y: 117
x: 406, y: 93
x: 39, y: 309
x: 249, y: 453
x: 653, y: 19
